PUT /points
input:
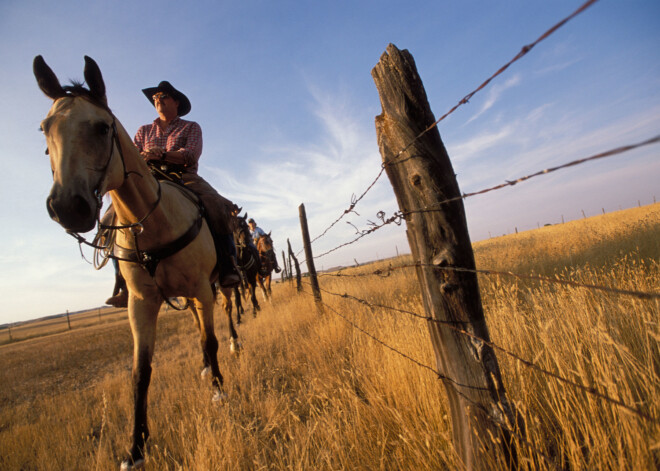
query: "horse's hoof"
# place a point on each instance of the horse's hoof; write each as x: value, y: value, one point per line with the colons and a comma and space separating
x: 129, y: 465
x: 220, y: 397
x: 206, y: 372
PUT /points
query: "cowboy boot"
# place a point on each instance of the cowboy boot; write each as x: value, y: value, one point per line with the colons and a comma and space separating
x: 273, y: 259
x: 229, y: 272
x: 118, y: 300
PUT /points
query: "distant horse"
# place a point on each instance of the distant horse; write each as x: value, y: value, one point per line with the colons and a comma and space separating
x: 266, y: 255
x: 167, y: 245
x: 248, y: 261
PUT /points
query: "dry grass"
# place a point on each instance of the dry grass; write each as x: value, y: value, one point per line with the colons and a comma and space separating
x: 60, y: 324
x: 311, y: 392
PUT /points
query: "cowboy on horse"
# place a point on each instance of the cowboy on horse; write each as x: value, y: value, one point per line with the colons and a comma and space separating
x: 172, y: 146
x: 256, y: 232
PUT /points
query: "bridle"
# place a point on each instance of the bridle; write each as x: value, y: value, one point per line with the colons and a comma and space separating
x: 135, y: 228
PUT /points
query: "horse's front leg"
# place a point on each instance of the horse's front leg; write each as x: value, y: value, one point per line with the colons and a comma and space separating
x: 234, y: 344
x: 204, y: 307
x: 270, y: 292
x: 142, y: 316
x: 260, y: 280
x: 206, y: 365
x: 239, y: 305
x: 253, y: 296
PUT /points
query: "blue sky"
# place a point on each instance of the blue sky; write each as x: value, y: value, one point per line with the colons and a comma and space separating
x: 284, y: 95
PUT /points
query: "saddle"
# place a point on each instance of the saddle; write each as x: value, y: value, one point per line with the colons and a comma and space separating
x: 167, y: 171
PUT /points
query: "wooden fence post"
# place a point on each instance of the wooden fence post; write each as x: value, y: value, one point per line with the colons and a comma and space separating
x: 310, y: 258
x: 285, y: 269
x: 290, y: 270
x: 297, y: 265
x: 67, y: 319
x: 422, y: 178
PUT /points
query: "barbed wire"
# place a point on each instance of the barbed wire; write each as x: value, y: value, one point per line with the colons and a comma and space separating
x: 464, y: 100
x: 354, y: 202
x: 601, y: 155
x: 523, y: 52
x: 441, y: 376
x: 592, y: 390
x: 398, y: 216
x: 386, y: 272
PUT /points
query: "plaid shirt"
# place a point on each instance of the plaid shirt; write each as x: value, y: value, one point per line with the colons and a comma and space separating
x: 180, y: 135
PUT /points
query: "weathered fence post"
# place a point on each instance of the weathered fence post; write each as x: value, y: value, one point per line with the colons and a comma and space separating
x: 310, y: 258
x: 297, y: 265
x: 285, y: 269
x: 67, y: 319
x: 290, y: 270
x: 423, y: 178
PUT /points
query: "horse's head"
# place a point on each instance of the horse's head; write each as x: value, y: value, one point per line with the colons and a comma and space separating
x: 80, y: 134
x: 265, y: 243
x: 241, y: 231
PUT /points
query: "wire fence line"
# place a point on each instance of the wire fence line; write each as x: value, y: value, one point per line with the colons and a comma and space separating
x: 525, y: 49
x: 486, y: 413
x: 591, y: 390
x: 596, y: 390
x: 601, y: 155
x: 386, y: 272
x: 398, y: 216
x: 354, y: 202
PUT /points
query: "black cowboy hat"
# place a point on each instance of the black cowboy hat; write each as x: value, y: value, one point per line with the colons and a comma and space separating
x: 166, y: 87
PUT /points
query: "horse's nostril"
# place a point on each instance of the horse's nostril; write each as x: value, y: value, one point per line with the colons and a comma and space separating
x: 81, y: 207
x: 75, y: 213
x: 51, y: 210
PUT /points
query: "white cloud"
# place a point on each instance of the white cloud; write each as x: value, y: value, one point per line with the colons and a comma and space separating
x: 494, y: 93
x: 324, y: 174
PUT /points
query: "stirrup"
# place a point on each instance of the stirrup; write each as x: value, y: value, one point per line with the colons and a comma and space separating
x: 238, y: 271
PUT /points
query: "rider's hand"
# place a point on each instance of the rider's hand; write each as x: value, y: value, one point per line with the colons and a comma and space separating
x: 154, y: 153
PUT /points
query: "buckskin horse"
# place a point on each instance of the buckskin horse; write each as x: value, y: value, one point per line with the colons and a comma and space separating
x: 173, y: 251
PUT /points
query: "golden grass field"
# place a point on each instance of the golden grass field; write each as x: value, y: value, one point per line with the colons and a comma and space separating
x: 309, y: 392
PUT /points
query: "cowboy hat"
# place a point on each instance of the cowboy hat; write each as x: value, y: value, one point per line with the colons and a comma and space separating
x: 166, y: 87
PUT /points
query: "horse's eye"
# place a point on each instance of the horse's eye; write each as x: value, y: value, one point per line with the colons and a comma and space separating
x: 46, y: 151
x: 102, y: 128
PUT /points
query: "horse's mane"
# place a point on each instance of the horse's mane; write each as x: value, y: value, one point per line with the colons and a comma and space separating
x: 77, y: 89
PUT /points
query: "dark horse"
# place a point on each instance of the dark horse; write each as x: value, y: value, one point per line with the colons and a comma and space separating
x: 267, y: 257
x: 248, y: 262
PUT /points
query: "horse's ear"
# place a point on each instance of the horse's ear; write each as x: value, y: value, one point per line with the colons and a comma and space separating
x: 46, y: 79
x: 269, y: 232
x: 94, y: 80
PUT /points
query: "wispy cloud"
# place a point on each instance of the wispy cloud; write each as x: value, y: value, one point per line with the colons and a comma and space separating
x: 494, y: 93
x: 324, y: 174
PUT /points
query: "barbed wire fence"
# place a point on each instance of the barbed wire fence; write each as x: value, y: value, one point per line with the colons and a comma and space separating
x: 397, y: 217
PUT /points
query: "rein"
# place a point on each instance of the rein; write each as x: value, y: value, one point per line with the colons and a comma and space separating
x: 99, y: 197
